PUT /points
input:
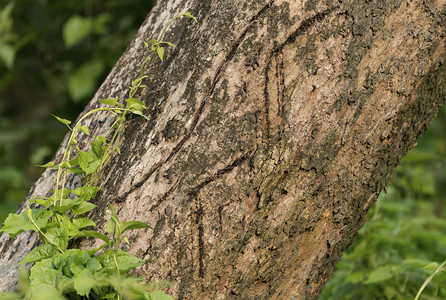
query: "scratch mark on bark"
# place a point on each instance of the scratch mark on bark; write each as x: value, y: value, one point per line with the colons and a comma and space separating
x: 195, y: 190
x: 200, y: 109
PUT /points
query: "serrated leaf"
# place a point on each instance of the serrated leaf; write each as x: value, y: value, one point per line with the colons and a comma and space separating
x: 86, y: 193
x: 93, y: 166
x: 39, y: 253
x: 47, y: 165
x: 83, y: 222
x: 67, y: 205
x: 15, y: 224
x: 83, y: 207
x: 84, y: 159
x: 131, y: 225
x: 59, y: 236
x: 84, y: 282
x: 85, y: 130
x: 160, y: 52
x: 63, y: 121
x: 94, y: 234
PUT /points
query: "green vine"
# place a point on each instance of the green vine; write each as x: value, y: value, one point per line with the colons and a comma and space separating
x: 60, y: 272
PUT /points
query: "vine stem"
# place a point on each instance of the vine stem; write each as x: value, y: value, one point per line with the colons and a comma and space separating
x: 29, y: 214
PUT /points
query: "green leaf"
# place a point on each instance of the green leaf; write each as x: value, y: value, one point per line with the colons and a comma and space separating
x: 153, y: 41
x: 83, y: 222
x: 59, y: 236
x: 160, y: 295
x: 67, y: 205
x: 44, y: 201
x: 86, y: 193
x: 160, y: 52
x: 15, y: 224
x: 83, y: 81
x: 76, y: 29
x: 380, y: 274
x: 135, y: 104
x: 94, y: 234
x: 118, y: 150
x: 130, y: 225
x: 85, y: 130
x: 93, y: 166
x: 63, y: 121
x: 84, y: 282
x: 84, y: 159
x: 83, y: 207
x: 7, y: 54
x: 188, y: 14
x: 39, y: 253
x: 113, y: 224
x: 126, y: 261
x: 47, y: 165
x: 113, y: 102
x: 431, y: 266
x: 97, y: 146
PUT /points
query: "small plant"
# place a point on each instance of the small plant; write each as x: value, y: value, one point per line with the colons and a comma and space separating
x: 103, y: 272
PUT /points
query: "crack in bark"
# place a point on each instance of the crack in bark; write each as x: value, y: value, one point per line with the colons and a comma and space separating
x: 199, y: 112
x: 305, y: 25
x: 195, y: 190
x: 276, y: 52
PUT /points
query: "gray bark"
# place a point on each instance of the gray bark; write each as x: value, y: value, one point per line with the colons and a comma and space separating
x: 275, y: 126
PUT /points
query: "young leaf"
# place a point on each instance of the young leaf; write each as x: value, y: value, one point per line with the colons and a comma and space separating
x: 85, y: 130
x: 113, y: 224
x: 113, y: 102
x: 130, y: 225
x: 39, y: 253
x: 47, y: 165
x: 188, y: 14
x: 63, y: 121
x: 135, y: 104
x: 160, y: 52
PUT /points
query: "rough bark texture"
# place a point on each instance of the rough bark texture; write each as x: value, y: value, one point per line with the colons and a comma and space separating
x: 275, y: 125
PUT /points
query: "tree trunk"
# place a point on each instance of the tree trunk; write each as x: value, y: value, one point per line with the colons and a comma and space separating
x: 274, y: 127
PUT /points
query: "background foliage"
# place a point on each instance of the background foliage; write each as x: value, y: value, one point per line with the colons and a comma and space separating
x: 404, y: 240
x: 54, y: 55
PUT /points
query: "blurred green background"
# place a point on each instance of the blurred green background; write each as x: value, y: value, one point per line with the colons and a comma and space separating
x: 53, y: 57
x: 55, y: 54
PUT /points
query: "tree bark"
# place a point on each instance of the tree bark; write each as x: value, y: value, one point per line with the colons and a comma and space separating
x: 274, y: 127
